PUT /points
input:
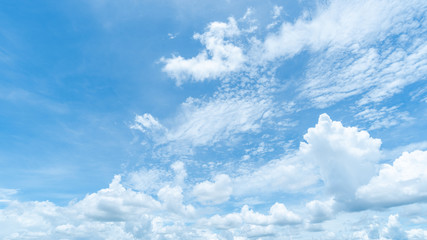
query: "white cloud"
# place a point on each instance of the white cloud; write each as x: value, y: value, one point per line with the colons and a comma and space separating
x: 257, y: 232
x: 172, y: 199
x: 118, y: 212
x: 279, y: 215
x: 146, y: 123
x: 6, y: 193
x: 205, y: 123
x: 396, y: 152
x: 215, y: 192
x: 212, y: 121
x: 147, y: 180
x: 393, y: 229
x: 383, y: 118
x: 180, y: 172
x: 220, y: 57
x: 232, y: 220
x: 277, y: 10
x: 376, y: 73
x: 116, y: 203
x: 254, y: 222
x: 320, y: 210
x: 346, y: 156
x: 408, y: 174
x: 285, y: 175
x: 340, y: 24
x: 102, y: 215
x: 354, y: 42
x: 417, y: 234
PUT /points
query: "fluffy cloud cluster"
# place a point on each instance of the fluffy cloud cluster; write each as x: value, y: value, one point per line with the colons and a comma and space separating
x: 279, y: 215
x: 346, y: 156
x: 401, y: 183
x: 215, y: 192
x: 220, y: 57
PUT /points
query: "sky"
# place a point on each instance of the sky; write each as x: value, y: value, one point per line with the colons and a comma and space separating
x: 216, y: 120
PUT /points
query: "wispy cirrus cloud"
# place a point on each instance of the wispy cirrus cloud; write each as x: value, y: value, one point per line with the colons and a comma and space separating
x: 384, y: 117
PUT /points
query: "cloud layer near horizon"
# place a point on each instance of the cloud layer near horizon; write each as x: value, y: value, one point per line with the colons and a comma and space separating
x: 341, y: 154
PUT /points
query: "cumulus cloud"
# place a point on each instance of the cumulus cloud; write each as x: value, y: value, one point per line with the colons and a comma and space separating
x: 147, y: 180
x: 340, y: 152
x: 215, y: 192
x: 403, y: 182
x: 115, y: 203
x: 393, y: 229
x: 417, y: 234
x: 172, y: 200
x: 101, y: 215
x: 320, y: 211
x: 232, y: 220
x: 346, y: 156
x: 278, y: 215
x: 220, y: 57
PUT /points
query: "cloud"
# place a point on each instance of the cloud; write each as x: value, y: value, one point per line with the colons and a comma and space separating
x: 249, y: 220
x: 147, y: 180
x: 320, y: 210
x: 116, y: 203
x: 215, y: 192
x: 383, y: 118
x: 100, y: 215
x: 393, y: 229
x: 172, y: 199
x: 374, y: 73
x: 201, y: 122
x: 285, y: 175
x: 366, y: 48
x: 6, y: 193
x: 340, y: 24
x: 342, y: 154
x: 232, y: 220
x: 279, y: 215
x: 220, y: 57
x: 180, y: 172
x: 417, y: 234
x: 146, y: 123
x: 204, y: 123
x: 346, y: 156
x: 407, y: 174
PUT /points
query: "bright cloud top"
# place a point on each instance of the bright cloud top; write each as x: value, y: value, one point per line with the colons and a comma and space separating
x: 342, y: 153
x: 407, y: 174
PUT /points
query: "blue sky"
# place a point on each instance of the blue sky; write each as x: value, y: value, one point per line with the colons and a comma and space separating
x: 213, y: 119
